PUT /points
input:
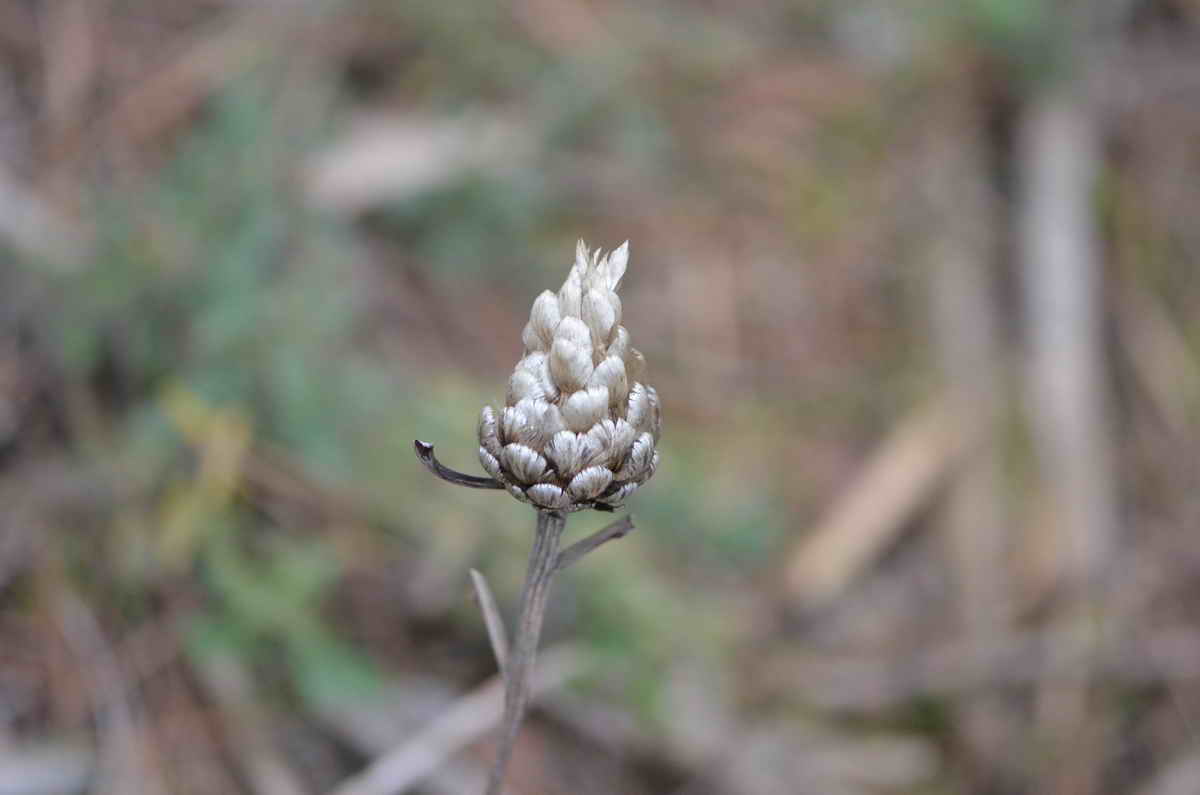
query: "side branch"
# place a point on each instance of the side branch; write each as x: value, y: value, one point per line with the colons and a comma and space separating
x: 618, y: 529
x: 497, y: 635
x: 425, y: 453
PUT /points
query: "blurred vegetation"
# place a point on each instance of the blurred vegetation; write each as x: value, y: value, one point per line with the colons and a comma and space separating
x: 252, y: 250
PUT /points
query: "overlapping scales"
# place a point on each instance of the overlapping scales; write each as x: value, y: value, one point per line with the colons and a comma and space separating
x: 579, y: 427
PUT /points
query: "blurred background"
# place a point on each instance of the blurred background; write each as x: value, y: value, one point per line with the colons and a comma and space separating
x: 916, y: 279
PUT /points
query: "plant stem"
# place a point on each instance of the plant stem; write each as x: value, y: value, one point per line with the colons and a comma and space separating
x: 426, y: 456
x: 543, y: 562
x: 617, y: 529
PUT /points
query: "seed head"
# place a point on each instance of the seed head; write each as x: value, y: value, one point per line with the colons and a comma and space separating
x: 579, y: 427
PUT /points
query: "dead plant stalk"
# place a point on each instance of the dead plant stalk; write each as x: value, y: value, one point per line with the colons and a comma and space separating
x: 578, y: 430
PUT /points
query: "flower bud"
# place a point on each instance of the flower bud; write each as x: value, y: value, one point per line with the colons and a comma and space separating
x: 579, y: 428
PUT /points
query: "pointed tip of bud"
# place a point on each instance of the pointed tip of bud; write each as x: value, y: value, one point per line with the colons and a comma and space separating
x: 617, y: 263
x: 581, y: 259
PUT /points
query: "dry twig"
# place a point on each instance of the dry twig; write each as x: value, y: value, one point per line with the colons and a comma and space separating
x: 545, y: 560
x: 871, y: 513
x: 492, y: 618
x: 472, y: 716
x: 611, y: 532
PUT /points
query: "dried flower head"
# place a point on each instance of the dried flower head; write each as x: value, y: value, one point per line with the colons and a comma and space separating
x: 578, y: 428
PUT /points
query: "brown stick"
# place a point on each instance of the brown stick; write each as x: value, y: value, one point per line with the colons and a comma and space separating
x: 543, y: 562
x: 611, y: 532
x: 497, y: 635
x: 425, y: 454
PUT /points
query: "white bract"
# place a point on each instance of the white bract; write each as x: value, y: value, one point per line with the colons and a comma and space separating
x: 578, y: 428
